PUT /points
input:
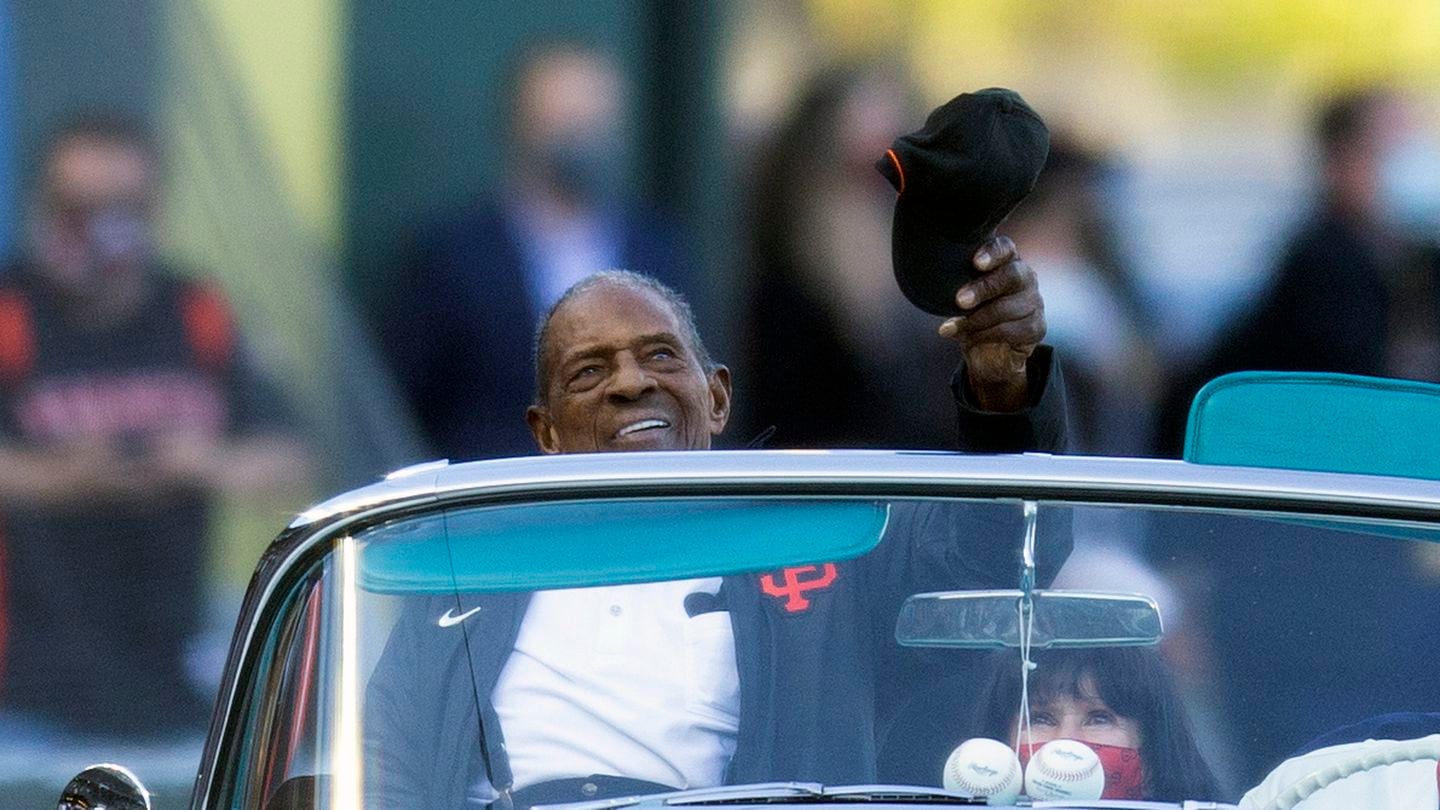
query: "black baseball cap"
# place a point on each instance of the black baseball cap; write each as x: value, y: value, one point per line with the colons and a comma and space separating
x: 958, y: 177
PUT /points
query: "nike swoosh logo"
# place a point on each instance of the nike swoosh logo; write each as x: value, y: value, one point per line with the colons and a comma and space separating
x: 449, y: 619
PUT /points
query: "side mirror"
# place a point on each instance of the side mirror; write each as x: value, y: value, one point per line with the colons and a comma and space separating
x: 982, y: 620
x: 104, y: 787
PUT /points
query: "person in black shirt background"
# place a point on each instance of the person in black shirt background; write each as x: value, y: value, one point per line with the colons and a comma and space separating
x: 127, y: 403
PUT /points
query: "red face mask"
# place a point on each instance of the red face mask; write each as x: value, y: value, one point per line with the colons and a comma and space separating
x: 1124, y: 772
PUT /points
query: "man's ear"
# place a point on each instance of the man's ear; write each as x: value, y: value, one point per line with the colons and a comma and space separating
x: 719, y: 399
x: 543, y: 429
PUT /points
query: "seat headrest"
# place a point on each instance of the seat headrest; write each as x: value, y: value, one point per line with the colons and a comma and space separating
x: 1317, y: 421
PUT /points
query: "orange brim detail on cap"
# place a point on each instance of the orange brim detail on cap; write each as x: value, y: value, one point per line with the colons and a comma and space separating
x: 898, y: 168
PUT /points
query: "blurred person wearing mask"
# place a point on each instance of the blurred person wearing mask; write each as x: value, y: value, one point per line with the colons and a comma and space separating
x: 1093, y: 309
x: 1358, y: 289
x: 832, y: 353
x: 126, y: 404
x: 468, y: 289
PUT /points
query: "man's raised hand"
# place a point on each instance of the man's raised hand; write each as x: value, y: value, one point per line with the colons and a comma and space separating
x: 1003, y: 322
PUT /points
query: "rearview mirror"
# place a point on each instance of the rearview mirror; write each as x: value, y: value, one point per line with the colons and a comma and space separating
x: 982, y: 620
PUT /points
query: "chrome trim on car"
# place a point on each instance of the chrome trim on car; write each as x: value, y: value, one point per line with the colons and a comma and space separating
x: 1032, y: 476
x: 406, y: 482
x: 637, y: 470
x: 414, y: 469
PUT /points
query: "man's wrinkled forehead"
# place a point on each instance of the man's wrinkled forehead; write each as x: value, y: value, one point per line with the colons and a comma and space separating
x: 609, y: 317
x: 613, y: 313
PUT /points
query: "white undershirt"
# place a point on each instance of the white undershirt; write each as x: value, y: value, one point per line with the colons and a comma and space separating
x: 620, y: 680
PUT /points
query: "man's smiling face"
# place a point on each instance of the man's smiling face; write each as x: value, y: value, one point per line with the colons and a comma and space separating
x: 622, y: 376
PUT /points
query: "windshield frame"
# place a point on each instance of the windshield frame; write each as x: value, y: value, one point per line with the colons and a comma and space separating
x: 1042, y: 477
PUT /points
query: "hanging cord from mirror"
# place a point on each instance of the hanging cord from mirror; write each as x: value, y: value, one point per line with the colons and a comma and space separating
x: 1026, y: 606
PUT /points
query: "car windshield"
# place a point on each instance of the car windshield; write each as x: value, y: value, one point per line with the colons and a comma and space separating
x: 575, y: 650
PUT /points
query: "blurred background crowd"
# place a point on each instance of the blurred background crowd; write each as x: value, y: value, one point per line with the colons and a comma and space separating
x: 260, y: 252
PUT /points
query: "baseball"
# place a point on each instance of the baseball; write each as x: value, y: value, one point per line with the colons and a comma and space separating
x: 984, y: 767
x: 1064, y: 769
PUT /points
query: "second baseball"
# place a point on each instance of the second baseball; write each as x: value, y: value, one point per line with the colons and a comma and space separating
x: 1064, y: 769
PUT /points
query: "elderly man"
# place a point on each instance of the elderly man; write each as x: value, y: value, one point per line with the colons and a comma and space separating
x: 620, y: 366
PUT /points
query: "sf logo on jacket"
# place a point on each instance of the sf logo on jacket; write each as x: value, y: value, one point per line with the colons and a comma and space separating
x: 794, y: 585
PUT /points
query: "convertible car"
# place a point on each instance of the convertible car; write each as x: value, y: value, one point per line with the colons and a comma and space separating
x: 1256, y: 625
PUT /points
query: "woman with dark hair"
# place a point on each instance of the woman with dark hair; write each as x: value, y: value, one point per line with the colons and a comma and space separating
x: 833, y: 354
x: 1119, y: 700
